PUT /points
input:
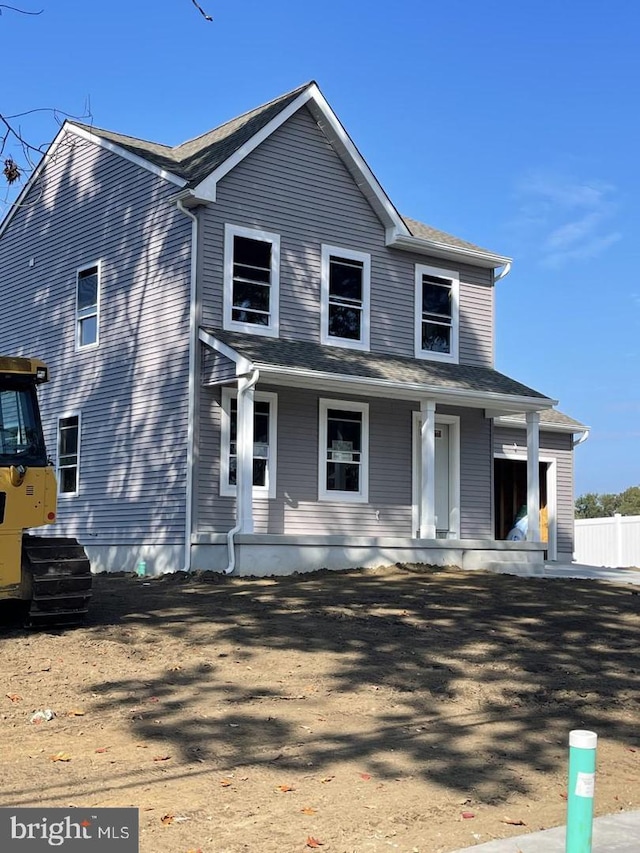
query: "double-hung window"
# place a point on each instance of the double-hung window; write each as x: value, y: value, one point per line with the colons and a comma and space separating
x: 436, y: 314
x: 344, y: 451
x: 265, y: 417
x: 251, y: 280
x: 68, y: 454
x: 87, y: 301
x: 345, y: 287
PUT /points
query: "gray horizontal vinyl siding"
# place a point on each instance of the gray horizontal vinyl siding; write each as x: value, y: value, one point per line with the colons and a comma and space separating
x: 295, y: 185
x: 296, y: 509
x: 559, y: 446
x: 131, y: 390
x: 216, y: 368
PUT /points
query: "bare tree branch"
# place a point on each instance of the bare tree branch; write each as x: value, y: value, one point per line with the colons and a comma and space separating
x: 22, y: 11
x: 202, y: 12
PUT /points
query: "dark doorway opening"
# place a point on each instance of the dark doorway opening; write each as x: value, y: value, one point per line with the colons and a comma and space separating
x: 510, y: 495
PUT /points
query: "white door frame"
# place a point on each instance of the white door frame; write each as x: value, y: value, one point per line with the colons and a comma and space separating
x: 552, y: 494
x: 453, y: 422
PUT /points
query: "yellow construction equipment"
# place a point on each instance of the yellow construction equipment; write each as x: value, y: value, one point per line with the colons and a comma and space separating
x: 51, y: 573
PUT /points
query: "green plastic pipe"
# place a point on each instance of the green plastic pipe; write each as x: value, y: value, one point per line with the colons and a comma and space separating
x: 582, y: 776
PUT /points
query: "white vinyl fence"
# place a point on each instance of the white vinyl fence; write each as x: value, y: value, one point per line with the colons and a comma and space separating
x: 613, y: 542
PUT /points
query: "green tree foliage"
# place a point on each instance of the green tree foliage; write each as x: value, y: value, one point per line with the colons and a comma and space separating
x: 592, y: 505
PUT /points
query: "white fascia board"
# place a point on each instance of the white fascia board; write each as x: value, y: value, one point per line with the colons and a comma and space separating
x: 364, y: 386
x: 331, y: 126
x: 206, y: 189
x: 243, y: 365
x: 437, y: 249
x: 127, y: 155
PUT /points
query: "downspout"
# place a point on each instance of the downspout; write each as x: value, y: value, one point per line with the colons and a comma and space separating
x: 191, y: 405
x: 585, y: 435
x: 251, y: 382
x: 504, y: 272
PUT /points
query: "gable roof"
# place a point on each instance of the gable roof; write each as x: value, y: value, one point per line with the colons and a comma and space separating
x: 407, y: 377
x: 197, y: 165
x: 195, y: 159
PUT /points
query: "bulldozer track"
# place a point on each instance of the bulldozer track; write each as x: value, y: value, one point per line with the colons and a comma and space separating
x: 59, y: 574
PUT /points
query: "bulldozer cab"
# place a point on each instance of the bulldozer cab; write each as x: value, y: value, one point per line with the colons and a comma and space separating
x: 21, y: 436
x: 51, y: 573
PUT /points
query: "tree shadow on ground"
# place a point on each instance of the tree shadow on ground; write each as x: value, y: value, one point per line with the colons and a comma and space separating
x: 470, y: 680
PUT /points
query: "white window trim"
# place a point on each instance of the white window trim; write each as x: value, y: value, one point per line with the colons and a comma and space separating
x: 63, y: 417
x: 338, y: 496
x: 272, y: 330
x: 454, y: 278
x: 365, y: 259
x: 78, y: 346
x: 226, y: 489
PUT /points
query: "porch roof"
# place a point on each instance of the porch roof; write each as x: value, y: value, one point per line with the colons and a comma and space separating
x: 312, y: 364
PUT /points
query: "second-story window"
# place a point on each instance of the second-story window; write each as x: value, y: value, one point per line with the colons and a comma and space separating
x: 251, y: 295
x: 346, y: 277
x: 87, y: 295
x: 436, y: 333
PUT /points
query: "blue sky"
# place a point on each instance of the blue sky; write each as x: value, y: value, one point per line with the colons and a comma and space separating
x: 513, y: 125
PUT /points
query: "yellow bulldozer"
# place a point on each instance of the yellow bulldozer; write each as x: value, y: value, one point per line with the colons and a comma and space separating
x: 50, y: 574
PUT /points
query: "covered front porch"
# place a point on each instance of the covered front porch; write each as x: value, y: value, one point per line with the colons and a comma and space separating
x: 414, y: 437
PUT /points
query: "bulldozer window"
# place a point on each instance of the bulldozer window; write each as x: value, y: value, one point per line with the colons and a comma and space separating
x: 21, y: 440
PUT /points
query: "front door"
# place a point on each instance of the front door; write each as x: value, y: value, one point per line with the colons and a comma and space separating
x: 447, y: 478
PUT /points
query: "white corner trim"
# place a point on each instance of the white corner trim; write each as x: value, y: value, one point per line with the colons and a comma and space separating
x: 126, y: 155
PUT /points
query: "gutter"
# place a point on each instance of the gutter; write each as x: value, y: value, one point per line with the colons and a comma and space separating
x: 444, y: 250
x: 253, y: 378
x: 191, y: 405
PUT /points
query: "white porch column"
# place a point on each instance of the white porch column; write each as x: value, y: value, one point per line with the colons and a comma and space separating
x: 244, y: 473
x: 533, y: 476
x: 428, y: 463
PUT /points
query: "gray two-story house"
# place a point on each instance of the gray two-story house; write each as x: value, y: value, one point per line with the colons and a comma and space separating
x: 258, y: 365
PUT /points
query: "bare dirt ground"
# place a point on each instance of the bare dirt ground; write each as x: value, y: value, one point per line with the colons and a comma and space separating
x: 384, y: 710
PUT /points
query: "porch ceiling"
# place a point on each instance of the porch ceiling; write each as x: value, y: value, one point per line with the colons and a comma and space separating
x: 311, y: 365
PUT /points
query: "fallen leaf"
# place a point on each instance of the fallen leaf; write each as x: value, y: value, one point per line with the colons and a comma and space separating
x: 226, y: 783
x: 629, y: 748
x: 161, y: 757
x: 15, y: 698
x: 313, y: 842
x: 467, y: 815
x: 308, y: 810
x: 75, y: 712
x: 166, y: 819
x: 365, y: 776
x: 101, y: 749
x: 285, y: 788
x: 511, y: 822
x: 60, y: 756
x: 328, y: 779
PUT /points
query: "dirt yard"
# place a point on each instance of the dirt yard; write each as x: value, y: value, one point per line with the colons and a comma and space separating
x: 389, y: 710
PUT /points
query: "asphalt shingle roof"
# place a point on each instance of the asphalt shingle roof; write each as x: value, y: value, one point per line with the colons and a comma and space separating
x: 197, y: 158
x: 552, y: 417
x: 355, y: 364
